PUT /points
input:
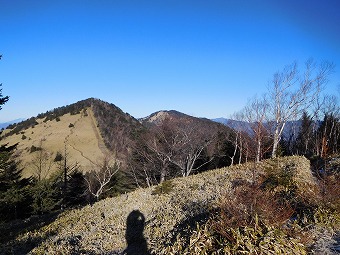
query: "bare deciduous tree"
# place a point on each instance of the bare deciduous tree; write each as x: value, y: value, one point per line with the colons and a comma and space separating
x: 41, y: 163
x: 185, y: 146
x: 292, y: 93
x: 256, y: 114
x: 237, y: 138
x: 328, y: 132
x: 149, y: 163
x: 99, y: 178
x: 178, y: 143
x: 252, y: 131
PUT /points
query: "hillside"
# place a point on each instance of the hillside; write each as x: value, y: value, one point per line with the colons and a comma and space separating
x: 201, y: 123
x: 157, y: 117
x: 87, y: 131
x: 179, y: 219
x: 207, y: 128
x: 81, y: 140
x: 182, y: 134
x: 91, y: 129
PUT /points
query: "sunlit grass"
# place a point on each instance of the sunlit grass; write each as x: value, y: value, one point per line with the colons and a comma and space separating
x: 184, y: 216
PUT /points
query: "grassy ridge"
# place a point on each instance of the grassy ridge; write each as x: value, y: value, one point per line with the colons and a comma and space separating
x: 81, y: 138
x: 90, y: 129
x: 177, y: 215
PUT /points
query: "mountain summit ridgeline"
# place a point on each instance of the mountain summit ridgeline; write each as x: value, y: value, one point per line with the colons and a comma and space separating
x: 91, y: 129
x: 86, y: 131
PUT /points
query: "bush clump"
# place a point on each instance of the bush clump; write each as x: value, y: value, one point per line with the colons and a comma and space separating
x: 58, y: 157
x: 35, y: 148
x: 286, y: 211
x: 165, y: 188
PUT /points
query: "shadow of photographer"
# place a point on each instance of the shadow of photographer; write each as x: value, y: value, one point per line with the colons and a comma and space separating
x: 136, y: 242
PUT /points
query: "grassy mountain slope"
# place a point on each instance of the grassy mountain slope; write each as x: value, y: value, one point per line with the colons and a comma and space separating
x: 82, y: 140
x: 88, y: 130
x: 172, y: 212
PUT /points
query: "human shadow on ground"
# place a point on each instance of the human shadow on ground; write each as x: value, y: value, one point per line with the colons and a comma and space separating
x: 136, y: 242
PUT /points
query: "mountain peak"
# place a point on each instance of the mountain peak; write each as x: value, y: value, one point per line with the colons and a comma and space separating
x: 88, y: 129
x: 159, y: 116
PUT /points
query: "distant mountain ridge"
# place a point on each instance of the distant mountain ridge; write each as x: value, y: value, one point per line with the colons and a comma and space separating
x: 202, y: 123
x: 158, y: 116
x: 4, y: 125
x: 291, y: 127
x: 154, y: 118
x: 235, y: 124
x: 91, y: 128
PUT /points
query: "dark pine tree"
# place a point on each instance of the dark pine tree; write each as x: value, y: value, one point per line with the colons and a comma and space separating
x: 76, y: 190
x: 305, y: 139
x: 3, y: 99
x: 14, y: 193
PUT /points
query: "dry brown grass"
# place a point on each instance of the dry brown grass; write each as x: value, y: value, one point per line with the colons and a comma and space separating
x: 179, y: 220
x: 83, y: 141
x: 249, y: 205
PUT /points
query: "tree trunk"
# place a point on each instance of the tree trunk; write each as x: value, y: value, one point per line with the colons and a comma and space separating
x: 275, y: 146
x: 258, y: 151
x: 162, y: 177
x: 277, y: 138
x: 241, y: 151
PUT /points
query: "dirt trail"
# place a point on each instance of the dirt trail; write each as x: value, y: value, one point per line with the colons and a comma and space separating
x: 82, y: 154
x: 101, y: 144
x: 72, y: 130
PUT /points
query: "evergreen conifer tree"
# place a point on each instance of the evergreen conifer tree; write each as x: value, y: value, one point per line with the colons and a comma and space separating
x: 14, y: 190
x: 304, y: 140
x: 14, y: 195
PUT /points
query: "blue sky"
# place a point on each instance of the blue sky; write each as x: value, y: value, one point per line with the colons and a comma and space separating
x: 203, y: 58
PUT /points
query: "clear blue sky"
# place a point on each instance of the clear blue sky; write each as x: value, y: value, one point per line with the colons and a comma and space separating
x: 203, y: 58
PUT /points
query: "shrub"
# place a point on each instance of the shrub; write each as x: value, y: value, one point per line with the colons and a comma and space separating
x: 58, y: 157
x: 246, y: 240
x: 34, y: 149
x: 334, y: 165
x: 85, y: 114
x: 330, y: 192
x: 165, y: 188
x: 71, y: 125
x: 251, y: 206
